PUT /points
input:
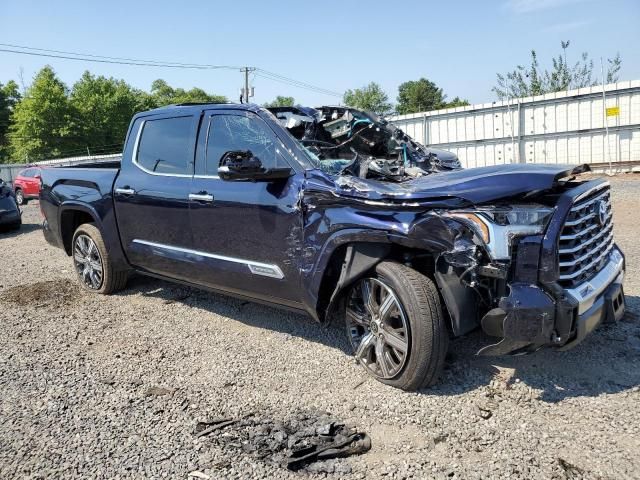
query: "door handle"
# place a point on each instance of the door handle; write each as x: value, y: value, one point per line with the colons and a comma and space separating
x: 125, y: 191
x: 201, y: 197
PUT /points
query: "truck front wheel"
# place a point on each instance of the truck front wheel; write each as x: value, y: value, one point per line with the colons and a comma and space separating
x: 396, y: 326
x: 92, y: 263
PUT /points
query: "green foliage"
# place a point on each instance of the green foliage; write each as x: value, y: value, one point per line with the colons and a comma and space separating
x: 9, y: 96
x: 280, y: 102
x: 419, y: 96
x: 93, y: 117
x: 42, y: 122
x: 164, y: 94
x: 423, y: 95
x: 457, y: 102
x: 370, y: 98
x: 103, y: 108
x: 613, y: 68
x: 524, y: 82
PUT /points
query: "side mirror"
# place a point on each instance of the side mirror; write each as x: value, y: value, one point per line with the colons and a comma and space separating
x: 241, y: 165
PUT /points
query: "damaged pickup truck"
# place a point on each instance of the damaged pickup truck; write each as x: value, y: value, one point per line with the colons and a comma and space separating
x: 224, y: 197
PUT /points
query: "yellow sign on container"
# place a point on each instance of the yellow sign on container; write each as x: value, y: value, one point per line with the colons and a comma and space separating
x: 613, y: 111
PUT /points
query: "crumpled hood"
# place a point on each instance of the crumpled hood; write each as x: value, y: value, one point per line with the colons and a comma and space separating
x: 473, y: 185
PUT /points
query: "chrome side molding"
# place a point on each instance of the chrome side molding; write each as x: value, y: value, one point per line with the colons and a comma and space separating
x: 256, y: 268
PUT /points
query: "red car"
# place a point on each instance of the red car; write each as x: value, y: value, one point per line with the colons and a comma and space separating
x: 27, y: 185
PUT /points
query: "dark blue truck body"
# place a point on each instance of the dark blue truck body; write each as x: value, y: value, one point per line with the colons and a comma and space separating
x: 298, y: 242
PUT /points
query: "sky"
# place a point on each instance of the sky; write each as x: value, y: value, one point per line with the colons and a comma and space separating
x: 336, y: 45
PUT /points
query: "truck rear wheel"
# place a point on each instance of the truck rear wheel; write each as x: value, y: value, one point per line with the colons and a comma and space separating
x: 396, y: 326
x: 92, y: 264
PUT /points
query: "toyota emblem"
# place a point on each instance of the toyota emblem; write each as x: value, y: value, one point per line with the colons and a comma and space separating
x: 601, y: 211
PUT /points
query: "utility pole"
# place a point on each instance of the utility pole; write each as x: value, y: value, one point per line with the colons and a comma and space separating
x: 245, y: 92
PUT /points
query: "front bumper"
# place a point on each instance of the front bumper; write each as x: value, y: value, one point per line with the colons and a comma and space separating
x: 605, y: 305
x: 532, y: 316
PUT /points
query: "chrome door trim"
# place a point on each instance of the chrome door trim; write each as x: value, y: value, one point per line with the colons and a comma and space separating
x: 256, y: 268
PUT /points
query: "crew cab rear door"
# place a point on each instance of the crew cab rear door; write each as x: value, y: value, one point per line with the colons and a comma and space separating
x: 247, y: 233
x: 151, y: 193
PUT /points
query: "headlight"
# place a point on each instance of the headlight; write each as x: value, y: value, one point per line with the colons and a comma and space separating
x: 497, y: 226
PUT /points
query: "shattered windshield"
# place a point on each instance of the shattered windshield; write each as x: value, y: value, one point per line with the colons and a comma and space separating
x: 347, y: 141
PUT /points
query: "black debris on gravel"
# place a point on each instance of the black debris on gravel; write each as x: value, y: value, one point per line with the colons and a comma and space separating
x: 306, y: 442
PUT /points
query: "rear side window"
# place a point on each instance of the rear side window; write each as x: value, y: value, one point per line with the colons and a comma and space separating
x: 166, y: 146
x: 29, y: 172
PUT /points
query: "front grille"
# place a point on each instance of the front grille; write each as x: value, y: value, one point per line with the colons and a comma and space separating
x: 586, y: 239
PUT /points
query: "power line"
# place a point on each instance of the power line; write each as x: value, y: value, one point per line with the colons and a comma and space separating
x: 88, y: 57
x: 281, y: 78
x: 118, y: 62
x: 118, y: 58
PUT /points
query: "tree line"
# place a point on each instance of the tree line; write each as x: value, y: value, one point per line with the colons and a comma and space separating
x: 48, y: 119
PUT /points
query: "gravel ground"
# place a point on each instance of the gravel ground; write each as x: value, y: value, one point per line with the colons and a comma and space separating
x: 114, y: 387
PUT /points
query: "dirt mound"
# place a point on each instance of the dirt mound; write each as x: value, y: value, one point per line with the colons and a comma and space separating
x: 58, y: 292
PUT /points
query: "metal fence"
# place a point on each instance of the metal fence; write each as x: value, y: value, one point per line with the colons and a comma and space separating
x: 577, y: 126
x: 9, y: 171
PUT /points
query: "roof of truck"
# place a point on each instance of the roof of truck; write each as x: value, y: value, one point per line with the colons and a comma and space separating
x: 193, y: 107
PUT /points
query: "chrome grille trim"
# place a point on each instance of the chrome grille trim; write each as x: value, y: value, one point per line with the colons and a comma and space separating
x: 589, y: 253
x: 591, y: 191
x: 579, y: 234
x: 584, y: 269
x: 609, y: 229
x: 582, y: 219
x: 580, y: 206
x: 586, y: 238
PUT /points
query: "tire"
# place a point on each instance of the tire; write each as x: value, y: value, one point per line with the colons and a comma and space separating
x: 87, y: 250
x: 20, y: 200
x: 407, y: 314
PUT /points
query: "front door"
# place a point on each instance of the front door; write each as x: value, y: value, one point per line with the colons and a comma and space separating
x: 151, y: 194
x: 247, y: 233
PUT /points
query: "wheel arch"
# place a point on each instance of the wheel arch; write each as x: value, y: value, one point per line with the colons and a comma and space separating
x: 348, y: 263
x: 353, y: 258
x: 71, y: 216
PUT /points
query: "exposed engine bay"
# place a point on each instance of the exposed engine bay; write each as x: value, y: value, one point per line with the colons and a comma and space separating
x: 346, y: 141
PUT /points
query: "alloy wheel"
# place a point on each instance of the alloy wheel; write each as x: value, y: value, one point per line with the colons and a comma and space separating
x: 87, y: 261
x: 378, y: 328
x: 19, y: 197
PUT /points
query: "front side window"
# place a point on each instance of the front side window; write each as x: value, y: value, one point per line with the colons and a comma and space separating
x: 229, y: 133
x: 166, y: 146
